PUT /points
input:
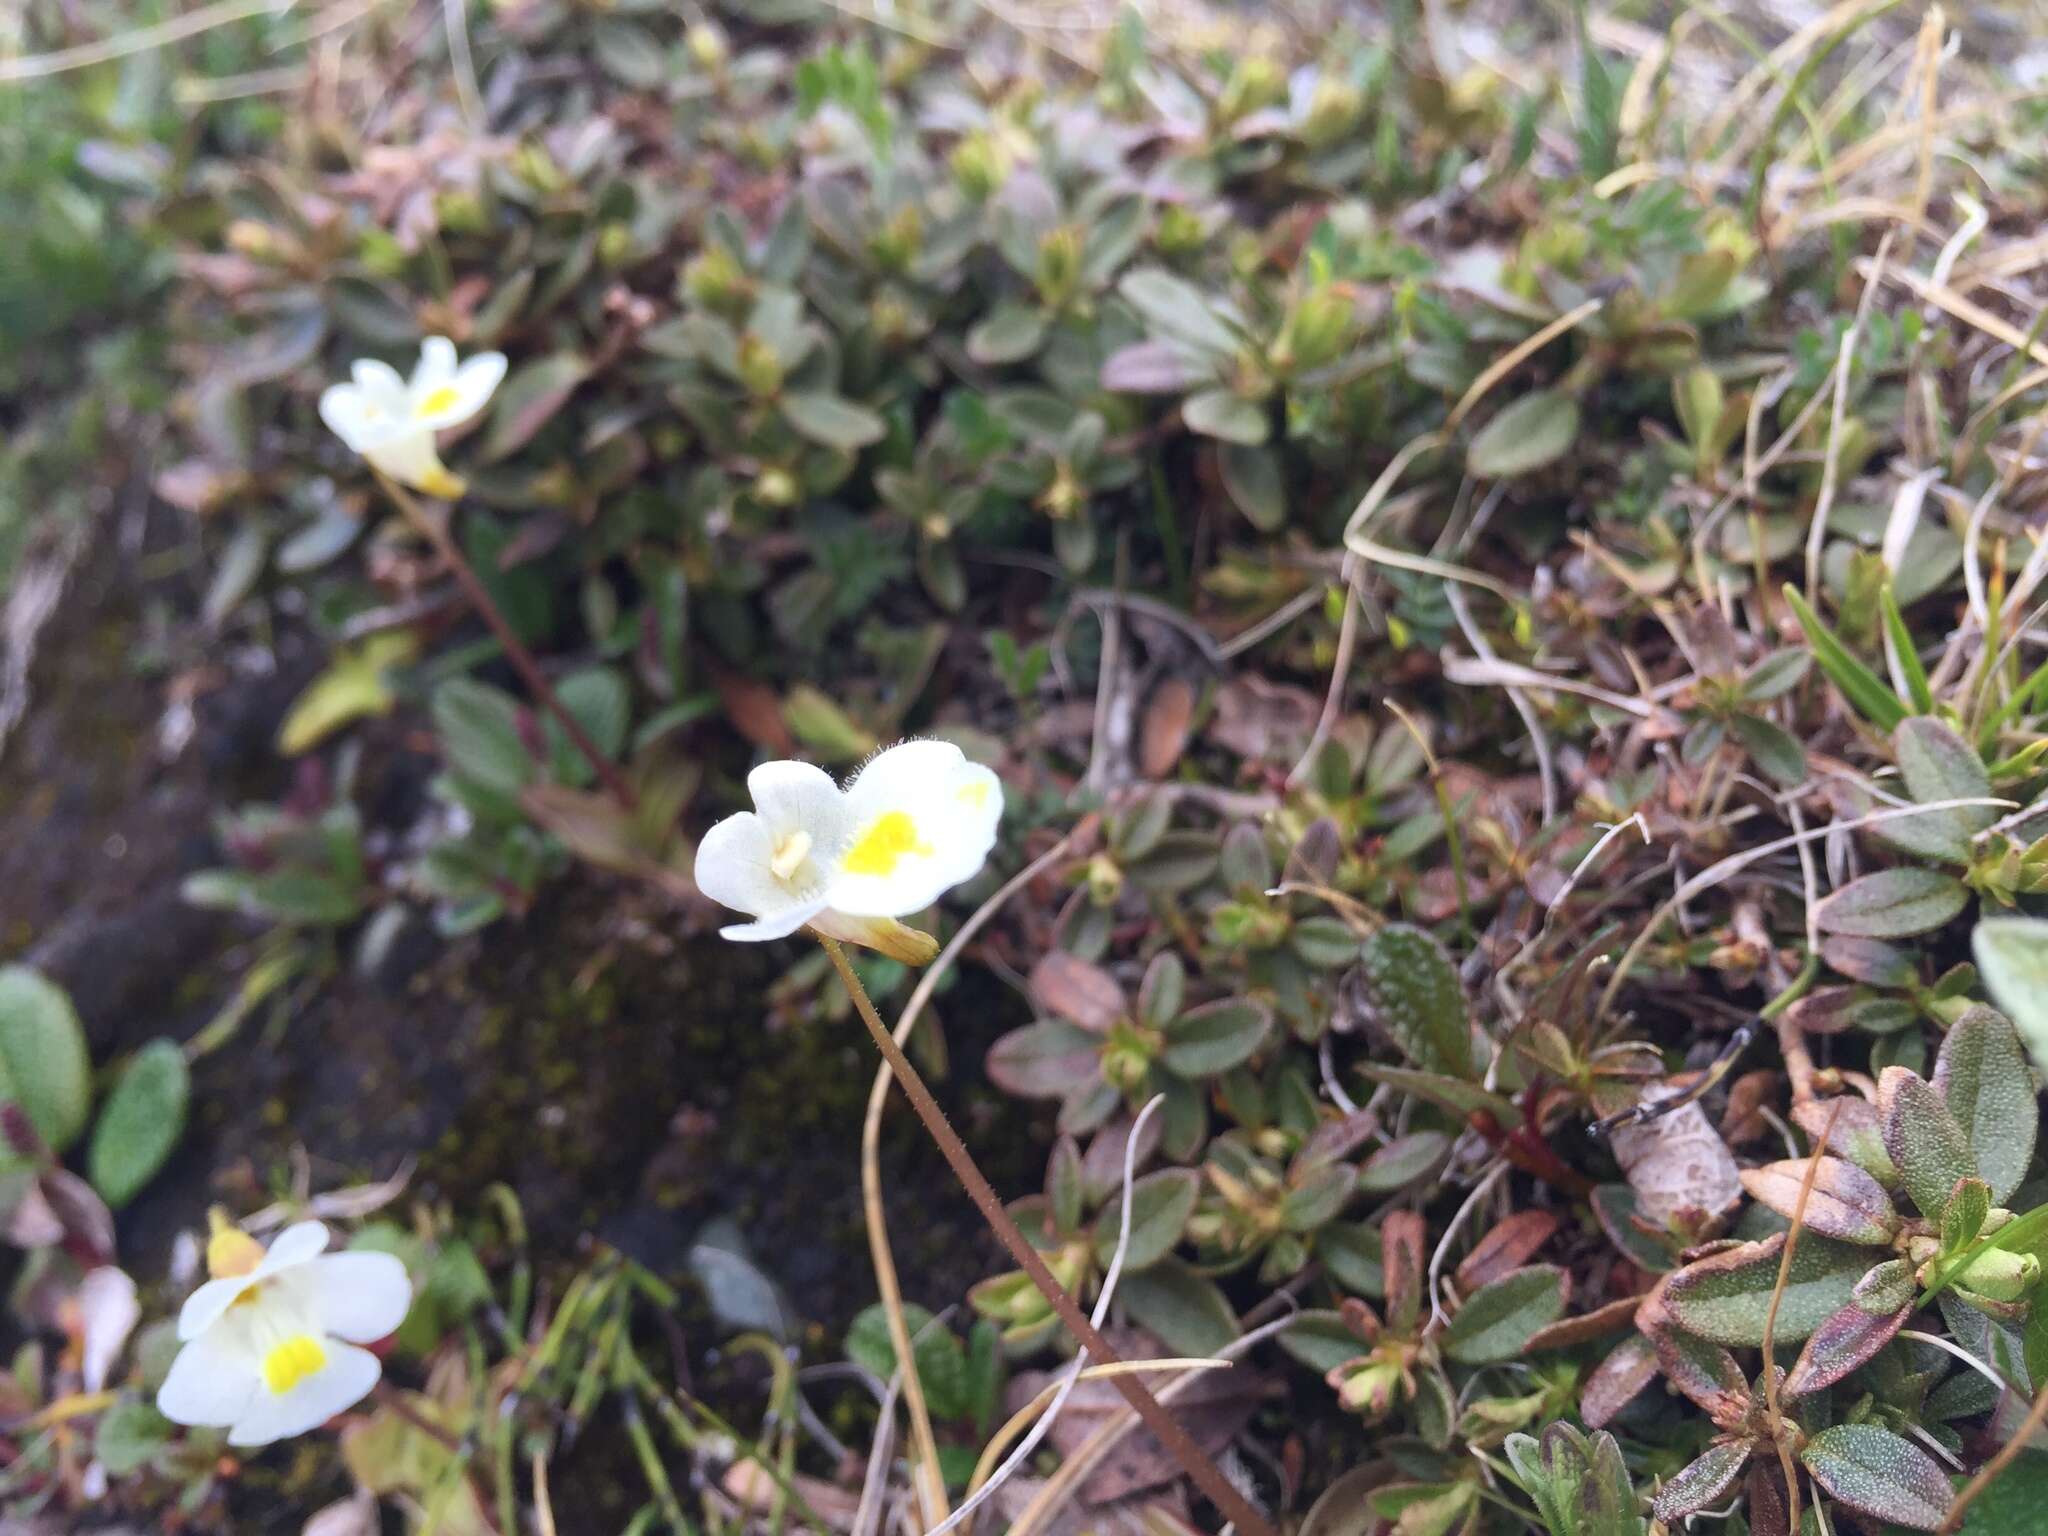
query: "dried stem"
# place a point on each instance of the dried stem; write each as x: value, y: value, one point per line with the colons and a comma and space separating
x: 1770, y: 1368
x: 515, y: 648
x: 1179, y: 1445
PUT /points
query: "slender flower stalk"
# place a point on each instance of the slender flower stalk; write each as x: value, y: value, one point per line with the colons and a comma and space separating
x: 1179, y: 1444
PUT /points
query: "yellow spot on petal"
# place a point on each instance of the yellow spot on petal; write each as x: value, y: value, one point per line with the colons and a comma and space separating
x: 878, y: 850
x: 229, y: 1250
x: 974, y: 793
x: 790, y: 854
x: 434, y: 402
x: 292, y: 1362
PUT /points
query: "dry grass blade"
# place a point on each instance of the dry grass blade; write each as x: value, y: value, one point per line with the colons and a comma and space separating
x: 1770, y: 1369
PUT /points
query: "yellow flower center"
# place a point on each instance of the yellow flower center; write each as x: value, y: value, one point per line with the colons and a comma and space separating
x: 292, y: 1362
x: 435, y: 401
x: 790, y: 854
x: 879, y: 849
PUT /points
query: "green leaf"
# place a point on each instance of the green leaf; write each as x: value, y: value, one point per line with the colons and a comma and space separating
x: 1402, y: 1161
x: 597, y: 699
x: 1010, y: 333
x: 1456, y: 1094
x: 1725, y: 1296
x: 479, y: 730
x: 143, y: 1118
x: 1875, y: 1471
x: 1869, y: 697
x: 1938, y: 765
x: 1702, y: 1482
x: 941, y: 1362
x: 1351, y: 1251
x: 1497, y: 1320
x: 1214, y: 1038
x: 1413, y: 992
x: 1775, y: 751
x: 1161, y: 1204
x: 1536, y: 430
x: 1321, y: 1340
x: 2011, y: 1505
x: 2012, y: 957
x: 832, y: 420
x: 44, y: 1066
x: 129, y: 1435
x: 825, y: 728
x: 1580, y: 1487
x: 1177, y: 309
x: 1892, y: 904
x: 1253, y: 479
x: 1924, y: 1140
x: 528, y: 400
x: 1225, y: 414
x: 1877, y: 1309
x: 1981, y: 1075
x: 1907, y: 651
x: 1186, y: 1311
x: 355, y: 686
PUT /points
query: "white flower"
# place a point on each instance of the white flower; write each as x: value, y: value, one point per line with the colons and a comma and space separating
x: 914, y: 822
x: 270, y: 1343
x: 392, y: 421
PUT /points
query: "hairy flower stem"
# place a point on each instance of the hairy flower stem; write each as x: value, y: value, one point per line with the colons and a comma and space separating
x: 1179, y: 1445
x: 515, y: 649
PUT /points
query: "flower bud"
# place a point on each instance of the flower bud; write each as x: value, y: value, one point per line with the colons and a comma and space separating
x: 980, y: 166
x: 1316, y: 332
x: 1256, y: 82
x: 2000, y: 1274
x: 775, y: 487
x: 760, y: 366
x: 715, y: 279
x: 1064, y: 497
x: 1180, y: 230
x: 1333, y: 111
x: 1105, y: 880
x: 230, y: 1251
x: 615, y: 245
x: 1059, y: 265
x: 895, y: 245
x: 707, y: 46
x: 460, y: 211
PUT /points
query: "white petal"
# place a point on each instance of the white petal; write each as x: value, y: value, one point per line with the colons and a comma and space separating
x: 924, y: 819
x: 380, y: 384
x: 360, y: 1297
x: 799, y: 797
x: 293, y: 1246
x: 780, y: 925
x: 411, y: 459
x: 108, y: 1313
x: 732, y: 866
x: 210, y: 1382
x: 341, y: 1383
x: 454, y: 399
x: 207, y: 1305
x: 435, y: 367
x: 351, y: 417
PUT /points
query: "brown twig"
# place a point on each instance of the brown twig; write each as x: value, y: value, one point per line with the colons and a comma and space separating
x: 1770, y: 1368
x: 2036, y: 1415
x: 515, y: 648
x: 1179, y: 1445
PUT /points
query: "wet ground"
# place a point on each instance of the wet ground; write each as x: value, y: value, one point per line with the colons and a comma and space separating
x: 627, y: 1081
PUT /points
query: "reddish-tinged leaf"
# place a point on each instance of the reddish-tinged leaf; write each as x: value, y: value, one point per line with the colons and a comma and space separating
x: 1725, y: 1296
x: 1877, y: 1472
x: 1506, y: 1247
x: 1570, y: 1332
x: 1701, y: 1485
x: 1617, y: 1381
x: 1982, y: 1076
x: 1706, y: 1373
x: 1163, y: 736
x: 1047, y: 1060
x: 1401, y: 1255
x: 1923, y: 1139
x: 1879, y: 1307
x: 1858, y: 1134
x: 1844, y: 1202
x: 1064, y: 984
x: 755, y: 711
